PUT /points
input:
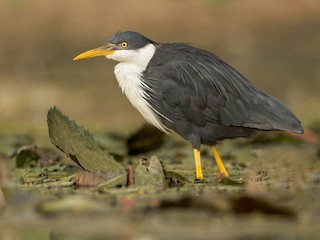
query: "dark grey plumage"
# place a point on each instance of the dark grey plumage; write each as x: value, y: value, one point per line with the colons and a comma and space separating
x: 205, y: 100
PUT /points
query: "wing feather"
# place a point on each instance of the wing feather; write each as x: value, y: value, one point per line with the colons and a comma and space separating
x: 191, y: 84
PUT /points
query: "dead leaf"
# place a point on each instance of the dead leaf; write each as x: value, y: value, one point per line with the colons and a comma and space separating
x: 87, y: 179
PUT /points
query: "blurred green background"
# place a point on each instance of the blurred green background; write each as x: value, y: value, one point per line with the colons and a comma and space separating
x: 275, y: 44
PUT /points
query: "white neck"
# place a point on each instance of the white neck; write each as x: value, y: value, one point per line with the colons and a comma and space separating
x: 129, y: 72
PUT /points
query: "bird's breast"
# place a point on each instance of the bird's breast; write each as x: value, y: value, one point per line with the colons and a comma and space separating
x: 129, y: 77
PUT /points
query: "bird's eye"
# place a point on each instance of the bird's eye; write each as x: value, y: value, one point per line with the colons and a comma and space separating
x: 124, y: 44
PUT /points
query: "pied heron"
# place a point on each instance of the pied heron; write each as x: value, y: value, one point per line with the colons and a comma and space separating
x: 191, y: 91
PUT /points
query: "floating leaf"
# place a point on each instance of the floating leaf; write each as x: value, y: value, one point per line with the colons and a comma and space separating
x: 78, y: 144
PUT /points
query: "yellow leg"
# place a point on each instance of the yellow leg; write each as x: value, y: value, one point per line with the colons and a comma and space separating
x: 219, y: 162
x: 197, y: 161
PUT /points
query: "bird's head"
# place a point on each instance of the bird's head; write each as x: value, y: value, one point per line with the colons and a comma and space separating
x: 126, y: 46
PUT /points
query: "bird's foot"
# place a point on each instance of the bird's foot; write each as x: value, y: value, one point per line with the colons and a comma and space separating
x: 198, y: 180
x: 221, y: 175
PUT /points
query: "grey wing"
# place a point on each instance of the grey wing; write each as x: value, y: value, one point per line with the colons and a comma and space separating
x: 196, y: 86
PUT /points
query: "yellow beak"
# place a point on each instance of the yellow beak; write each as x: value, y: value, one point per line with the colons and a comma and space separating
x: 101, y: 51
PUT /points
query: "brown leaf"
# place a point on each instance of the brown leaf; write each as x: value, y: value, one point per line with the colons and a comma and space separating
x: 130, y: 176
x: 88, y: 179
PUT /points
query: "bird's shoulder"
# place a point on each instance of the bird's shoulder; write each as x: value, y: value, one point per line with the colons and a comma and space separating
x: 181, y: 67
x: 192, y: 83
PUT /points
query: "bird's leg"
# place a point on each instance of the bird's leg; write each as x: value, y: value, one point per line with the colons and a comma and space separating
x: 219, y: 162
x: 197, y: 161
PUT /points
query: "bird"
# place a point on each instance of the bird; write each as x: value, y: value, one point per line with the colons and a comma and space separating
x: 193, y: 92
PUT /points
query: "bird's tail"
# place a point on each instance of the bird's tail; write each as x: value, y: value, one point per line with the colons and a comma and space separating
x: 273, y: 115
